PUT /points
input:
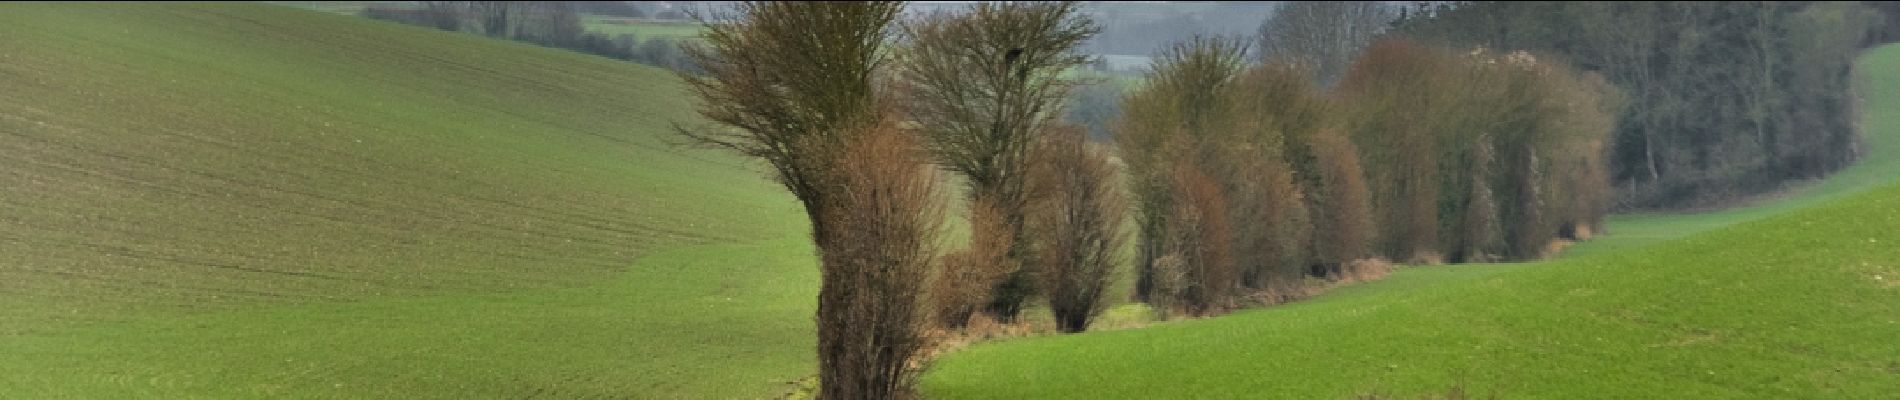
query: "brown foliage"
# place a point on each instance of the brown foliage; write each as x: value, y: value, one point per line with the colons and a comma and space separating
x: 982, y: 85
x: 1342, y: 215
x: 1076, y: 222
x: 1170, y: 280
x: 968, y: 275
x: 794, y: 81
x: 1277, y: 109
x: 1198, y: 231
x: 1477, y: 155
x: 1177, y: 115
x: 795, y: 84
x: 1269, y: 219
x: 870, y: 316
x: 1399, y: 93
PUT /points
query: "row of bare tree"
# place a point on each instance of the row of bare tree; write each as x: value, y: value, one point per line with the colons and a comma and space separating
x: 1250, y: 178
x: 856, y: 127
x: 1247, y: 179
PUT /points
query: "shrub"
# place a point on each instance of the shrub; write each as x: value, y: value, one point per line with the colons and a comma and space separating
x: 984, y: 85
x: 1179, y: 111
x: 1342, y: 215
x: 1400, y: 94
x: 870, y: 318
x: 1199, y: 232
x: 1170, y: 279
x: 969, y: 274
x: 1075, y: 219
x: 1276, y: 109
x: 1477, y: 155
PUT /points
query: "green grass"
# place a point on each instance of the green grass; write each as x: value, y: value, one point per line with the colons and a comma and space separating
x: 245, y: 201
x: 1880, y: 165
x: 1799, y: 298
x: 642, y: 29
x: 238, y: 200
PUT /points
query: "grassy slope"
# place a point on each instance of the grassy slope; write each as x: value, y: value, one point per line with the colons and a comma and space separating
x: 238, y: 200
x: 1879, y: 166
x: 1795, y: 299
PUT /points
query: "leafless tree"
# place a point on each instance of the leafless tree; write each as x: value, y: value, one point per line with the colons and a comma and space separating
x: 1325, y: 35
x: 796, y: 85
x: 982, y: 85
x: 1076, y: 218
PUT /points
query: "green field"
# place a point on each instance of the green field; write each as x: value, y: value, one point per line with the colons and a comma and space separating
x: 1798, y: 298
x: 252, y: 201
x: 230, y: 200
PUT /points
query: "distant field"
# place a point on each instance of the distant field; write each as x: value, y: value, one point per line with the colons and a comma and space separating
x: 239, y: 200
x: 1798, y: 298
x: 642, y: 29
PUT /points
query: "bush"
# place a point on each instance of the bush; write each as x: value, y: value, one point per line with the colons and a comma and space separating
x: 1400, y: 97
x: 1169, y: 281
x: 968, y: 275
x: 1477, y: 155
x: 1075, y: 219
x: 1270, y: 222
x: 1176, y: 116
x: 870, y: 318
x: 1342, y: 214
x: 1198, y: 231
x: 1276, y: 109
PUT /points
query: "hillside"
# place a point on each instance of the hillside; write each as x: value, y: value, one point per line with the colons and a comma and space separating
x: 1798, y: 298
x: 240, y: 200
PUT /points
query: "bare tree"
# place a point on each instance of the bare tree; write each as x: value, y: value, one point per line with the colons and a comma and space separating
x: 1324, y: 35
x: 445, y: 15
x: 967, y: 276
x: 496, y: 16
x: 983, y: 84
x: 1163, y: 124
x: 870, y: 318
x: 795, y: 84
x: 792, y: 81
x: 1077, y: 219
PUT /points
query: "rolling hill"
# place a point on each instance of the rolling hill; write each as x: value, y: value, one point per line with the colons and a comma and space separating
x: 243, y: 200
x: 251, y: 201
x: 1796, y: 298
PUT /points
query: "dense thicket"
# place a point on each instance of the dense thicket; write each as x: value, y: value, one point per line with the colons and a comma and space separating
x: 1724, y: 99
x: 1477, y: 156
x: 1249, y: 178
x: 1165, y: 127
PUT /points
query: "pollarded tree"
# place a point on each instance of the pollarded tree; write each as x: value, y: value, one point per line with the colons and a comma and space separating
x: 982, y: 85
x: 1164, y: 123
x: 870, y: 315
x: 1076, y: 215
x: 795, y: 84
x: 792, y: 82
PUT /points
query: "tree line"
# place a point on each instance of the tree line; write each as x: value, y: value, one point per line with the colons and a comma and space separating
x: 1246, y: 174
x: 1243, y: 179
x: 1723, y: 99
x: 556, y: 24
